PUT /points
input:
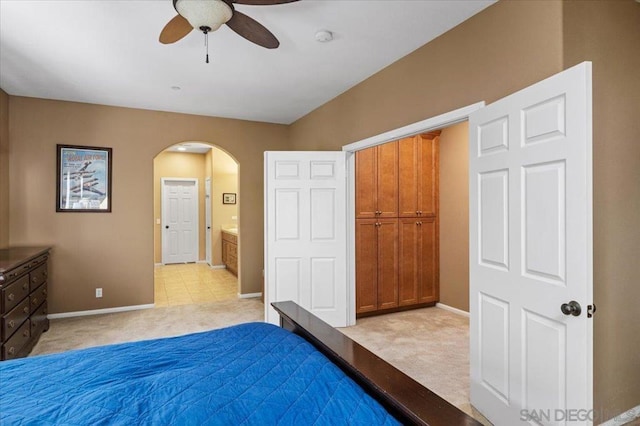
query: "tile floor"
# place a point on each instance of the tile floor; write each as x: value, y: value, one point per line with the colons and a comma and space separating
x: 186, y: 284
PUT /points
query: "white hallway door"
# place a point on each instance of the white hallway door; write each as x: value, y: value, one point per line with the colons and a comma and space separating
x: 179, y: 220
x: 531, y: 253
x: 305, y: 233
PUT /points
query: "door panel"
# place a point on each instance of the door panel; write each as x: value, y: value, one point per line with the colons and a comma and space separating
x: 179, y: 220
x: 409, y: 176
x: 305, y: 233
x: 387, y: 179
x: 387, y: 263
x: 366, y: 265
x: 428, y: 286
x: 408, y: 261
x: 366, y: 176
x: 428, y: 175
x: 531, y: 250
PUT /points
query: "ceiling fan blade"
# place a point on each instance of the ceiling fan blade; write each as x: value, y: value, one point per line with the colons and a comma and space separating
x: 262, y: 2
x: 252, y: 30
x: 175, y: 29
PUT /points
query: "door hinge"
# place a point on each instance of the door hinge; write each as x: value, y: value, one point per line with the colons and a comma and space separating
x: 591, y: 309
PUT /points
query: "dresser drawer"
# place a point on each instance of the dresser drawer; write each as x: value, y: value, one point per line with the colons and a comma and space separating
x: 11, y: 349
x: 14, y: 319
x: 38, y: 296
x: 38, y: 276
x: 14, y: 293
x: 39, y: 321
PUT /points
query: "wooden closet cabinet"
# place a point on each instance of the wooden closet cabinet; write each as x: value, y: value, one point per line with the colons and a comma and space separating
x: 376, y: 265
x: 397, y: 242
x: 418, y: 261
x: 377, y: 181
x: 418, y: 175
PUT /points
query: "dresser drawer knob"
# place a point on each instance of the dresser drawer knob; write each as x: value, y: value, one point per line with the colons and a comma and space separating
x: 44, y: 273
x: 34, y: 280
x: 25, y: 309
x: 10, y: 297
x: 25, y: 286
x: 25, y: 333
x: 11, y: 350
x: 34, y: 301
x: 12, y: 324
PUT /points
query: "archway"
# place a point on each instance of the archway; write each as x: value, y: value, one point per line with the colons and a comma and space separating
x: 208, y: 272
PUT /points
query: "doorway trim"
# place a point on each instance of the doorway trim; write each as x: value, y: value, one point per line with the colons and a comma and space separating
x: 163, y: 219
x: 207, y: 222
x: 433, y: 123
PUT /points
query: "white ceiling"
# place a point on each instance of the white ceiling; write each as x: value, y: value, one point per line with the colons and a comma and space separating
x: 107, y: 52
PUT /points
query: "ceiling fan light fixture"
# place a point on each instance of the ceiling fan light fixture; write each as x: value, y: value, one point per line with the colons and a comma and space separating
x: 201, y: 14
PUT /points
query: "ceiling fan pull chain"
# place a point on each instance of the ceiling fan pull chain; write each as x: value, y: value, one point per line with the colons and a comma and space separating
x: 206, y: 44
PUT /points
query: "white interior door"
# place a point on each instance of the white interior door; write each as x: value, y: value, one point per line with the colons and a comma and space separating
x: 207, y: 220
x: 305, y: 233
x: 531, y: 252
x: 179, y: 220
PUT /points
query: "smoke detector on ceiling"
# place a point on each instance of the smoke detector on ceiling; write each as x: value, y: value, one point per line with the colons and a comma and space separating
x: 324, y: 36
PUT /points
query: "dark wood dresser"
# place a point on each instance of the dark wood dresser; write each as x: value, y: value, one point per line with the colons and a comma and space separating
x: 23, y: 299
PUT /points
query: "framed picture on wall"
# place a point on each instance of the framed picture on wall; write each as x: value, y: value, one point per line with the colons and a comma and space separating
x: 83, y: 179
x: 228, y: 198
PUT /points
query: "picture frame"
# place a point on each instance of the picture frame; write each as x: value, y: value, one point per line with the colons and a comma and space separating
x: 228, y: 198
x: 83, y: 179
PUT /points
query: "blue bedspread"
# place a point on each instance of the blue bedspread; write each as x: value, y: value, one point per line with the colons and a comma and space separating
x: 252, y: 373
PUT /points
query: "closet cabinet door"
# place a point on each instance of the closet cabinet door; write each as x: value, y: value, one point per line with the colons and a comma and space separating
x: 428, y: 286
x: 419, y: 175
x: 409, y: 261
x: 366, y: 265
x: 387, y: 188
x: 387, y: 263
x: 428, y: 175
x: 408, y: 190
x: 366, y: 183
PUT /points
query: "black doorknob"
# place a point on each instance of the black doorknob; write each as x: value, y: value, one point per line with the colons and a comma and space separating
x: 167, y: 226
x: 571, y: 308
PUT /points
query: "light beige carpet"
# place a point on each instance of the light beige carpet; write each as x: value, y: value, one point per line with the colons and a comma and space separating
x: 82, y: 332
x: 430, y: 344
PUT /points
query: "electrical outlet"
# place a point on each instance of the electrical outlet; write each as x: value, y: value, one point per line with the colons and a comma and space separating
x: 98, y: 293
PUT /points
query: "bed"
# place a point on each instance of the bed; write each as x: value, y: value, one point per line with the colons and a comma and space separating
x: 304, y: 372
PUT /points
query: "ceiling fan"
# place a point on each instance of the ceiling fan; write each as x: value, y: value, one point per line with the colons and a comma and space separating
x: 209, y: 15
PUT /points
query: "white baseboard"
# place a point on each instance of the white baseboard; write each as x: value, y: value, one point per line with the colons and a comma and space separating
x: 624, y: 418
x: 249, y: 295
x: 100, y: 311
x: 217, y: 267
x: 452, y: 309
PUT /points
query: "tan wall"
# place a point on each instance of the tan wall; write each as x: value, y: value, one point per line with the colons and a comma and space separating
x: 224, y: 179
x: 177, y: 165
x: 506, y: 47
x: 115, y: 250
x: 4, y: 169
x: 454, y: 216
x: 608, y: 34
